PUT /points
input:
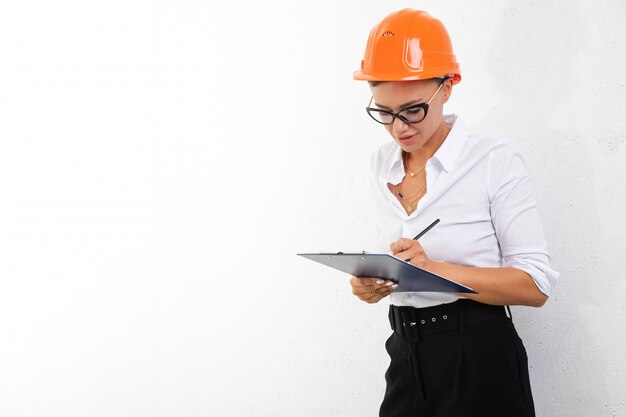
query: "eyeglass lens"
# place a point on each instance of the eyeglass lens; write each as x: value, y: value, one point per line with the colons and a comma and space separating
x: 410, y: 115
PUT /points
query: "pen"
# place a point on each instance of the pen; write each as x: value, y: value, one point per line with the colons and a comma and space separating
x: 423, y: 232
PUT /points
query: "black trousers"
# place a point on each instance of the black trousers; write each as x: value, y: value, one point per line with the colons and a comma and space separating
x: 462, y: 359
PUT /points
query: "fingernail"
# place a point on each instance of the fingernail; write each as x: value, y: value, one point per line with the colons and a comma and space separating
x: 394, y: 286
x: 389, y: 283
x: 380, y: 281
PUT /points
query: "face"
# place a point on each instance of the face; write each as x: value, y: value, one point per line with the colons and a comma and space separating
x: 396, y: 95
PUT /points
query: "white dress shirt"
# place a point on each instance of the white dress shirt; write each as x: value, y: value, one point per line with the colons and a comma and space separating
x: 481, y: 191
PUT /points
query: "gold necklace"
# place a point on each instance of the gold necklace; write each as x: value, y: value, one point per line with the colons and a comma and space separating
x: 399, y: 192
x: 406, y: 164
x: 410, y: 206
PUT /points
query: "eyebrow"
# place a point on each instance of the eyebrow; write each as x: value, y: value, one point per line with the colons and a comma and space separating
x: 402, y: 106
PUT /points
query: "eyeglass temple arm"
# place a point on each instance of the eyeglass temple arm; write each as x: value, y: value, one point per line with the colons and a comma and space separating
x: 433, y: 96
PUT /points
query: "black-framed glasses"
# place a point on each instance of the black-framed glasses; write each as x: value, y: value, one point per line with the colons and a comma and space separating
x: 414, y: 113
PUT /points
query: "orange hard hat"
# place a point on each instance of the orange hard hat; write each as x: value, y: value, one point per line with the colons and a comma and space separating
x: 408, y: 45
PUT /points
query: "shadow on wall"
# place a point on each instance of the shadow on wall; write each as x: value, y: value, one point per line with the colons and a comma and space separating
x: 540, y: 64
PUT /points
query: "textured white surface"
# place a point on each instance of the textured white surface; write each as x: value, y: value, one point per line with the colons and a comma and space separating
x: 161, y: 163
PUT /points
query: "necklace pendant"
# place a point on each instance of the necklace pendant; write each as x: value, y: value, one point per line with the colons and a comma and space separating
x: 412, y: 174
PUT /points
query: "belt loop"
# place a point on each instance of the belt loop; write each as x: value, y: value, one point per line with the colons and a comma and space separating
x: 461, y: 316
x: 403, y: 322
x: 395, y: 317
x: 400, y: 328
x: 412, y: 328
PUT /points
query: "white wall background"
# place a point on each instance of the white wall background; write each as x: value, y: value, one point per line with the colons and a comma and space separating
x: 162, y: 162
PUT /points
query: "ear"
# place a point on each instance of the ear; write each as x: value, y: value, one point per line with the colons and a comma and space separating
x: 447, y: 90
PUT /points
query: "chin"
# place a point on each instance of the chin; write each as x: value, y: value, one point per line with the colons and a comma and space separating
x: 411, y: 147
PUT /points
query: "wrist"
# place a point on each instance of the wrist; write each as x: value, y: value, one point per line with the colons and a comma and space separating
x: 430, y: 265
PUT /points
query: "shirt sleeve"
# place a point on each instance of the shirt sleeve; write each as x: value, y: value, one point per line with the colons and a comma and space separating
x: 515, y: 218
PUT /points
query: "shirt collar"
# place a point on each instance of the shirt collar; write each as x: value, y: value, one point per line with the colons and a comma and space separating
x: 452, y: 145
x: 446, y: 155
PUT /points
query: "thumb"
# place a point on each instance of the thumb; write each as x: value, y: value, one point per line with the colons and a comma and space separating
x: 404, y: 244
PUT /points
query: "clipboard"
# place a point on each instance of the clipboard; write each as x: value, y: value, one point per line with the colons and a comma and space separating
x: 410, y: 278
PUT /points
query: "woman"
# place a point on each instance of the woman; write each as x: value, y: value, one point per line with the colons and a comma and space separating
x: 451, y: 354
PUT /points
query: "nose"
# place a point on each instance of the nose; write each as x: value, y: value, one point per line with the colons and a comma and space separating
x: 399, y: 126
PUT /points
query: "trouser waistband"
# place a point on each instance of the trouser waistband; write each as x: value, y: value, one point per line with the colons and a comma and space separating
x: 414, y: 323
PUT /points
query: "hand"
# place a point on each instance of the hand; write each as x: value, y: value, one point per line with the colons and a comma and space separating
x: 410, y: 250
x: 371, y: 290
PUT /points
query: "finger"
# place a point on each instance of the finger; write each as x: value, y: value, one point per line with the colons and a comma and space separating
x: 405, y: 255
x: 378, y: 285
x: 379, y: 295
x: 402, y: 244
x: 414, y: 250
x: 366, y: 281
x: 370, y: 296
x: 416, y: 258
x: 374, y: 291
x: 366, y: 292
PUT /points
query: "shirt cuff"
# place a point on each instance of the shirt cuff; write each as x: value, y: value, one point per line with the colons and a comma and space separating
x: 545, y: 277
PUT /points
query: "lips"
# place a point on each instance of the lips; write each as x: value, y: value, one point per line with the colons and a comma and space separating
x: 406, y: 139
